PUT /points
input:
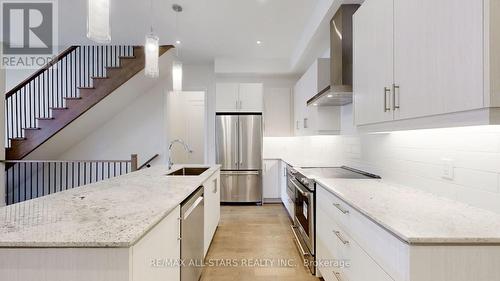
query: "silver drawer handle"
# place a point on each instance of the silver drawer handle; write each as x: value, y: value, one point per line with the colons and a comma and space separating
x: 339, y: 236
x: 338, y: 206
x: 337, y: 276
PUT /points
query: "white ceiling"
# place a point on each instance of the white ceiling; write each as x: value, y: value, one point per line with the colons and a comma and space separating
x: 208, y: 29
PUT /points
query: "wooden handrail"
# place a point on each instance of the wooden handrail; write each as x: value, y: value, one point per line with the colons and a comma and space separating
x: 148, y: 161
x: 40, y: 71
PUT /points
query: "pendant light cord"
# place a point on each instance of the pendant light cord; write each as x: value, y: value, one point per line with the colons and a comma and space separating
x: 151, y: 15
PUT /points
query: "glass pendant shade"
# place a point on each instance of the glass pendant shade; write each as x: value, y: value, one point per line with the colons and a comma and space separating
x: 98, y: 21
x: 177, y: 76
x: 152, y: 52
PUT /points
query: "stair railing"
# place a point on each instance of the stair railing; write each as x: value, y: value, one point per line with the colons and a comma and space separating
x: 48, y: 88
x: 29, y: 179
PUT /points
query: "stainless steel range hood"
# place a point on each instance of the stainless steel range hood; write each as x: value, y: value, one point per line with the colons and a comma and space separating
x: 339, y: 92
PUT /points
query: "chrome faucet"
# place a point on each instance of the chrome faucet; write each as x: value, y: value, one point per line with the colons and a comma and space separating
x: 184, y: 144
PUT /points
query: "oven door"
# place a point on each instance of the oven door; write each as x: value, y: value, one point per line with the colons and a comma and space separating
x: 304, y: 213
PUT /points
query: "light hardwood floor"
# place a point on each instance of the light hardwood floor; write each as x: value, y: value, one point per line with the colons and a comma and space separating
x: 249, y: 234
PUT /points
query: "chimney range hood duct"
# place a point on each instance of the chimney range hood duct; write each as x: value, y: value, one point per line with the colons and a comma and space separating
x: 339, y: 92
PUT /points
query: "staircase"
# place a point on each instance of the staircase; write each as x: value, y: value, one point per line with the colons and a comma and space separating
x: 56, y: 95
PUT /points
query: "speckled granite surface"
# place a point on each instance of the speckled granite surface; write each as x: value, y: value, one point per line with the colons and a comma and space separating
x: 111, y: 213
x: 415, y: 216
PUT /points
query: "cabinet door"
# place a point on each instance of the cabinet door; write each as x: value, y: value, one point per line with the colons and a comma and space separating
x: 438, y: 56
x: 211, y: 190
x: 162, y: 242
x: 226, y: 97
x: 283, y: 182
x: 271, y: 179
x: 277, y: 112
x: 373, y: 61
x: 251, y: 97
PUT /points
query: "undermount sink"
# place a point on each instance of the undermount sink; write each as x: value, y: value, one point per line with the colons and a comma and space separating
x: 188, y: 171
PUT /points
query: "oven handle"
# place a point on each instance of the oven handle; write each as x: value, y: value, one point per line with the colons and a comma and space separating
x: 296, y: 240
x: 300, y: 189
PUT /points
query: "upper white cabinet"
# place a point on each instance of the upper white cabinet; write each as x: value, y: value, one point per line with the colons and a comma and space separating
x: 424, y: 58
x: 239, y: 97
x: 278, y: 112
x: 312, y: 120
x: 373, y: 62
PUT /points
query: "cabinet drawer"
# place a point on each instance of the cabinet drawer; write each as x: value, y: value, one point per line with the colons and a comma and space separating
x: 352, y: 263
x: 379, y: 244
x: 340, y: 212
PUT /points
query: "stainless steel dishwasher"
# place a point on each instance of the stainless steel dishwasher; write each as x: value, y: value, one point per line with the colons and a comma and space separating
x: 192, y: 216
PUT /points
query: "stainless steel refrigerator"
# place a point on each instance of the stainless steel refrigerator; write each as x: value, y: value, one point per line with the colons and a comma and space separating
x: 239, y: 152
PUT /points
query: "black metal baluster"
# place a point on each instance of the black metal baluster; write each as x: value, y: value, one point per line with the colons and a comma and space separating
x: 37, y: 183
x: 78, y: 182
x: 84, y: 173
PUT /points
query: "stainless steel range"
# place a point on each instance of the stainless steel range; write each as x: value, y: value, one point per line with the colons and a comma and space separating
x: 302, y: 181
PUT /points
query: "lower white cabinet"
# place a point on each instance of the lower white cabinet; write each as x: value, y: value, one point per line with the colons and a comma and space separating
x: 270, y: 181
x: 285, y: 198
x: 351, y: 247
x: 211, y: 189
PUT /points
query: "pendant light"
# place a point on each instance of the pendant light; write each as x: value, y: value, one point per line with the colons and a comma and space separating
x: 177, y: 64
x: 152, y: 52
x: 98, y: 21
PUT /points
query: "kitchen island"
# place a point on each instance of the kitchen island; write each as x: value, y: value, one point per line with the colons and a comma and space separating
x: 117, y: 229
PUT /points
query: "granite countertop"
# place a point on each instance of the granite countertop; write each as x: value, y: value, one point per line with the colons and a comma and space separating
x: 112, y: 213
x: 415, y: 216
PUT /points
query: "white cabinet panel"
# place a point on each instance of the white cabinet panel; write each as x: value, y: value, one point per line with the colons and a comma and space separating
x: 251, y: 97
x: 227, y: 97
x: 272, y: 188
x: 278, y: 112
x: 373, y: 61
x: 162, y: 242
x: 211, y: 190
x: 438, y: 56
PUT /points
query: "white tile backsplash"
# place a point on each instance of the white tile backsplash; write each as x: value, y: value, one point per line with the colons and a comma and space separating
x: 411, y: 158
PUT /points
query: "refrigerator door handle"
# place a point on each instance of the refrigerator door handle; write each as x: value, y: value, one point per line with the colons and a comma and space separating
x: 240, y: 140
x: 236, y: 139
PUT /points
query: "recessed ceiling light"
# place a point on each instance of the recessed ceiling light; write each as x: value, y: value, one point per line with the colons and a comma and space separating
x: 259, y: 42
x: 178, y: 42
x: 330, y: 96
x: 315, y: 104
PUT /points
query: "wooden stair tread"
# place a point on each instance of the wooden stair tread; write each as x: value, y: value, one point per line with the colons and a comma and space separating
x: 31, y: 129
x: 18, y: 139
x: 86, y: 88
x: 58, y: 108
x: 72, y: 98
x: 45, y: 118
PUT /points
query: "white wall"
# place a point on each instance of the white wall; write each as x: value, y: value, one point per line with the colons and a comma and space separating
x: 139, y: 128
x: 201, y: 77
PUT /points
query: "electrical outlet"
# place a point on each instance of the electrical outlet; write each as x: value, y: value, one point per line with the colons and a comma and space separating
x: 448, y: 169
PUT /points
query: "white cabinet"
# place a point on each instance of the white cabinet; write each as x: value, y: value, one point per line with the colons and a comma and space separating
x: 437, y: 67
x: 373, y: 253
x: 373, y: 62
x: 312, y: 120
x: 278, y: 112
x: 270, y: 181
x: 227, y: 97
x: 211, y: 189
x: 239, y: 97
x: 420, y: 58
